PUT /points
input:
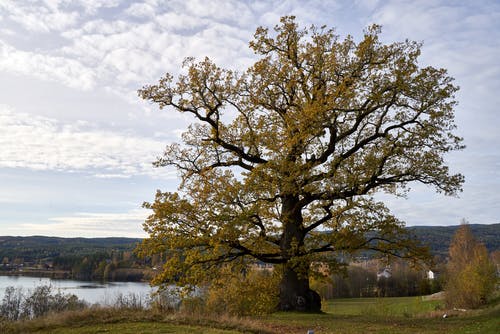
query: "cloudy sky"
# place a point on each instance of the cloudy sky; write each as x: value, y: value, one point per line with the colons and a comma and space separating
x: 76, y: 143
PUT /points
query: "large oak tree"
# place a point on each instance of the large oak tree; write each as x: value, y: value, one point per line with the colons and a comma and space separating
x: 282, y: 161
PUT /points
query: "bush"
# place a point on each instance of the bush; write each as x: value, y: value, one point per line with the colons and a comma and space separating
x: 167, y: 300
x: 11, y: 303
x: 131, y: 301
x: 251, y: 292
x: 18, y: 305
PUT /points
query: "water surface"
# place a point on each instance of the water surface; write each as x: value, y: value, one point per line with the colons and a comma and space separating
x: 104, y: 293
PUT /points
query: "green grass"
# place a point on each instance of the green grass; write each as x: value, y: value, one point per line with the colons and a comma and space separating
x: 342, y: 316
x: 330, y: 324
x: 392, y: 315
x: 401, y: 306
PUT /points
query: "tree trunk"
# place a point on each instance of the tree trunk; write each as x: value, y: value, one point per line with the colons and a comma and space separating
x: 295, y: 294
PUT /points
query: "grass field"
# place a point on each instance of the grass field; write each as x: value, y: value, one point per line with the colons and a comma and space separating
x: 402, y: 306
x: 369, y: 315
x: 393, y: 315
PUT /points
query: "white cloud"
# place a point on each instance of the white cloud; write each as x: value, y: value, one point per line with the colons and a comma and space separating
x: 71, y: 53
x: 465, y: 39
x: 97, y: 27
x: 438, y: 22
x: 367, y: 4
x: 39, y: 16
x: 141, y: 10
x: 164, y: 41
x: 477, y: 204
x: 180, y: 22
x: 235, y: 12
x: 92, y: 6
x: 88, y: 224
x: 112, y: 176
x: 40, y: 143
x: 125, y: 55
x: 46, y: 67
x: 122, y: 53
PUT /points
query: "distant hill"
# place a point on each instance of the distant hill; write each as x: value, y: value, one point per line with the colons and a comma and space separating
x: 110, y: 259
x: 39, y: 247
x: 438, y: 238
x: 33, y: 248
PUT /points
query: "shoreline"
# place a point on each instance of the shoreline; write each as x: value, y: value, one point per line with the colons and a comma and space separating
x: 59, y: 274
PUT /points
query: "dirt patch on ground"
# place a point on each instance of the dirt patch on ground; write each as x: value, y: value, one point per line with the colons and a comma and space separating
x: 434, y: 296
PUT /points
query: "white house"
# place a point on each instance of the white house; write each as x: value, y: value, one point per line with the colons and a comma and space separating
x: 430, y: 274
x: 386, y: 273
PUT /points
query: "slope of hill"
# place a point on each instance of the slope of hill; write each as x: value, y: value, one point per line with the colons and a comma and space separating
x: 109, y: 259
x: 39, y: 247
x: 438, y: 238
x: 34, y: 248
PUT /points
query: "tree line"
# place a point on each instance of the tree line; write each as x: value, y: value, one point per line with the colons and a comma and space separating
x: 374, y: 278
x: 111, y: 259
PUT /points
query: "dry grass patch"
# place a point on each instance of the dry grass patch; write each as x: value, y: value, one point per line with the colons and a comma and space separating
x: 108, y: 316
x: 346, y: 317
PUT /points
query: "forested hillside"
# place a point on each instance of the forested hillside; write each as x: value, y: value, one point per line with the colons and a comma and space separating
x: 35, y: 248
x: 78, y: 258
x: 38, y: 247
x: 438, y: 238
x: 114, y: 259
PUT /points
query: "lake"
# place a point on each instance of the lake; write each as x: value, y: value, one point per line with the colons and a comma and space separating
x: 104, y: 293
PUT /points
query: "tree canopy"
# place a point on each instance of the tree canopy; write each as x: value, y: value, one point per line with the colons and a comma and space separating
x: 281, y: 162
